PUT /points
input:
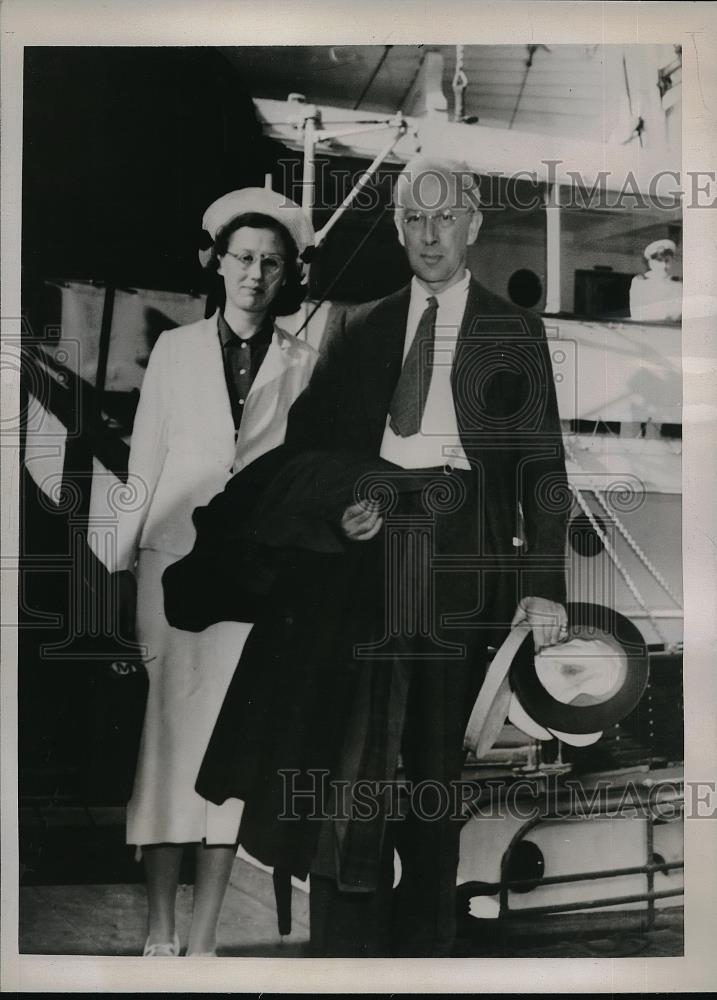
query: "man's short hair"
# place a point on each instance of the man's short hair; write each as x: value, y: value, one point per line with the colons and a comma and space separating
x: 465, y: 183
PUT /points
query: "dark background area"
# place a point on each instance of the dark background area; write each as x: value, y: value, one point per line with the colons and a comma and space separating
x: 123, y: 150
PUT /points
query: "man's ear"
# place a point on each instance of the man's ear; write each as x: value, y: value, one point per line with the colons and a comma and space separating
x: 220, y: 262
x: 399, y: 228
x: 475, y: 224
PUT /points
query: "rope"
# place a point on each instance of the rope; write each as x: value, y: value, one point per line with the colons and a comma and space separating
x: 620, y: 567
x: 634, y: 545
x: 460, y: 82
x: 640, y: 124
x: 532, y: 49
x: 627, y: 85
x: 639, y: 552
x: 337, y: 277
x: 382, y: 60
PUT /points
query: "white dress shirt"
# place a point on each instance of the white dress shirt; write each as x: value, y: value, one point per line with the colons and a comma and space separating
x: 438, y: 441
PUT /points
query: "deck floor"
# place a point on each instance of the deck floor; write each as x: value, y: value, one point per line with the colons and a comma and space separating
x: 82, y: 893
x: 110, y: 920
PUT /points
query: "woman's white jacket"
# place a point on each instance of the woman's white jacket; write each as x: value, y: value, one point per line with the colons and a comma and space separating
x: 183, y: 442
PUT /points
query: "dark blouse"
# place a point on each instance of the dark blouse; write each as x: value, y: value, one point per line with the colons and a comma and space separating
x: 242, y: 360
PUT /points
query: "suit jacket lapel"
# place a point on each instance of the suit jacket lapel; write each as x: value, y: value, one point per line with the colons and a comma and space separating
x: 487, y: 323
x: 381, y: 355
x: 481, y: 307
x: 469, y: 327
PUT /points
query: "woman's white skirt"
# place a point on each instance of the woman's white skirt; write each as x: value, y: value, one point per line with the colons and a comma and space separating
x: 189, y: 674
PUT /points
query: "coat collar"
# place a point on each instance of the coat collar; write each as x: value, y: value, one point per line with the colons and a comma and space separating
x: 281, y: 355
x: 381, y: 355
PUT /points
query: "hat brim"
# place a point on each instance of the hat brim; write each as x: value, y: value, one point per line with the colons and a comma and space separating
x: 576, y: 739
x: 522, y: 721
x: 586, y: 621
x: 491, y: 706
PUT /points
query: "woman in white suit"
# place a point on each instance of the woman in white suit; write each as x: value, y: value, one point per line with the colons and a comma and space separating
x: 215, y: 396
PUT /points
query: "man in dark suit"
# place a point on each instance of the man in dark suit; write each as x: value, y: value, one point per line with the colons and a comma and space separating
x: 444, y: 376
x: 449, y: 381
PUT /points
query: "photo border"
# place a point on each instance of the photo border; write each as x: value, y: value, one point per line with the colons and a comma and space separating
x: 221, y: 22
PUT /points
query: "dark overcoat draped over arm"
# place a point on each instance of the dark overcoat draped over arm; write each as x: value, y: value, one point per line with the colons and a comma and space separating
x: 283, y: 715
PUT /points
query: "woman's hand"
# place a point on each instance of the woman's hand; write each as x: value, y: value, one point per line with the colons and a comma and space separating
x: 361, y: 522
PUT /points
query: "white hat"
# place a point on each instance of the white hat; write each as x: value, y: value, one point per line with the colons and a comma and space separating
x: 659, y: 246
x: 271, y: 203
x: 572, y: 691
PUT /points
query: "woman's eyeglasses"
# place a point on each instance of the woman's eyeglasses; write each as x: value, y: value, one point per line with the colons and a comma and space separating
x: 443, y: 220
x: 271, y: 264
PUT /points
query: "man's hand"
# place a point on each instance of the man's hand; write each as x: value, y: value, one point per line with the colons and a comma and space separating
x: 360, y: 522
x: 548, y: 620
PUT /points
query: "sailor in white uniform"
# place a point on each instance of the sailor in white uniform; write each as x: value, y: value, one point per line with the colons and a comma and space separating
x: 657, y: 294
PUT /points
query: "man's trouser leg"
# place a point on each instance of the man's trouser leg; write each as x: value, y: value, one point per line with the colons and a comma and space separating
x: 428, y: 841
x: 352, y: 924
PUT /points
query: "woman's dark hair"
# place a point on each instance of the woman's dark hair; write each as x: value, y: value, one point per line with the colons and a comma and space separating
x: 292, y: 292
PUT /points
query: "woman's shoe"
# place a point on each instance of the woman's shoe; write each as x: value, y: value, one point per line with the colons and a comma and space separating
x: 162, y: 949
x: 202, y: 954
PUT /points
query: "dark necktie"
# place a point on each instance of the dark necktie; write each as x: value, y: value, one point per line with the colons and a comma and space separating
x: 409, y: 398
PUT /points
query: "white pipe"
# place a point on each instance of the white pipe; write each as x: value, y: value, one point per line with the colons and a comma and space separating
x: 361, y: 183
x: 328, y: 134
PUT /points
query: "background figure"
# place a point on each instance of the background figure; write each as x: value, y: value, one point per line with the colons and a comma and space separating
x: 215, y: 396
x: 657, y: 294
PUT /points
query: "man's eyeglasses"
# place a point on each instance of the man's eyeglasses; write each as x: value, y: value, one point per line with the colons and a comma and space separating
x: 443, y: 220
x: 271, y: 264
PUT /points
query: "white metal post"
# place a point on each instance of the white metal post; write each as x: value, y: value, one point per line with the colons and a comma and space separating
x: 552, y: 249
x: 307, y: 192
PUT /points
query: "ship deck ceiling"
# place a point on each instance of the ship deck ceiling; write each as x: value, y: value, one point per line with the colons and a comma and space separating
x: 563, y: 93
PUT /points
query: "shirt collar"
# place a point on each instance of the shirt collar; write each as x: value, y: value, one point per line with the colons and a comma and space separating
x: 452, y: 296
x: 227, y: 336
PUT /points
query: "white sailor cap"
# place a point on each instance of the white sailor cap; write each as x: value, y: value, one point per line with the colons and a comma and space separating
x: 272, y: 203
x: 659, y: 246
